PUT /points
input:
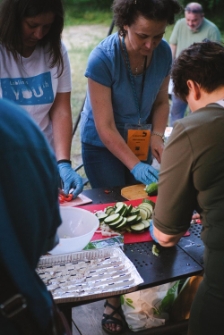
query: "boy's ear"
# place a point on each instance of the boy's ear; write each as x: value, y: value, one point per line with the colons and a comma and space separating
x: 194, y: 88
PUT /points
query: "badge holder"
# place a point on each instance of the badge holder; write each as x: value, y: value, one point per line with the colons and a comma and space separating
x: 138, y: 139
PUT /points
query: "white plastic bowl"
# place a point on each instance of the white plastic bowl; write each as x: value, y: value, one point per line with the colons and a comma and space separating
x: 75, y: 232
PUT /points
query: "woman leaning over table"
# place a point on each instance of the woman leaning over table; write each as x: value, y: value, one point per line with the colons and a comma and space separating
x: 35, y: 73
x: 128, y: 76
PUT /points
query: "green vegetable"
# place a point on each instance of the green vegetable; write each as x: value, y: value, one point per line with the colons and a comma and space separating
x: 155, y: 250
x: 123, y: 217
x: 147, y: 201
x: 138, y: 228
x: 152, y: 189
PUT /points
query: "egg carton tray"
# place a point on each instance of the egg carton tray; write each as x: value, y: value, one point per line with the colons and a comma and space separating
x: 89, y: 274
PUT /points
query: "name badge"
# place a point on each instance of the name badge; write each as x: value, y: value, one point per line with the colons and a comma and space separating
x: 138, y: 140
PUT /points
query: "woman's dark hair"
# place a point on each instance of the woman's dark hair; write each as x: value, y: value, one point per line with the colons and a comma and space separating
x: 127, y: 11
x: 202, y: 63
x: 12, y: 12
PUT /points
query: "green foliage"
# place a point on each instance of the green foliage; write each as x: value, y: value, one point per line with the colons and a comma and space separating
x: 87, y: 12
x: 94, y: 4
x: 99, y: 11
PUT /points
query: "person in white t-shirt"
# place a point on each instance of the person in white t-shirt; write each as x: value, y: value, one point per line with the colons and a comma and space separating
x: 35, y: 74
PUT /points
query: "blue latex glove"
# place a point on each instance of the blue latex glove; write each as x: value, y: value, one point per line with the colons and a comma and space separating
x: 151, y: 228
x: 70, y: 179
x: 145, y: 173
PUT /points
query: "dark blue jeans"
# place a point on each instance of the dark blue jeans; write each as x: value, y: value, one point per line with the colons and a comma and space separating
x: 103, y: 169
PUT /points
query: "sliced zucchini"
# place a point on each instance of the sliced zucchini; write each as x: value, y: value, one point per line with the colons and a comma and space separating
x: 109, y: 210
x: 122, y: 224
x: 155, y: 250
x: 132, y: 219
x: 120, y: 207
x: 147, y: 205
x: 115, y: 223
x: 129, y: 208
x: 102, y: 217
x: 147, y: 201
x: 135, y: 210
x: 112, y: 211
x: 139, y: 219
x: 146, y: 223
x: 144, y: 213
x: 138, y: 228
x: 119, y: 203
x: 125, y: 210
x: 112, y: 218
x: 148, y: 211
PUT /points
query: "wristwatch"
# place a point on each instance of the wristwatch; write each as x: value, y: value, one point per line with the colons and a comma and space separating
x: 159, y: 134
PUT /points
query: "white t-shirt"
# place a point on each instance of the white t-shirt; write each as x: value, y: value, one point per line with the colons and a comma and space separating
x: 32, y: 84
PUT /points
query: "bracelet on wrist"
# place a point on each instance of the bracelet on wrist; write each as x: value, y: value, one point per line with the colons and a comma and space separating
x: 159, y: 134
x: 64, y: 161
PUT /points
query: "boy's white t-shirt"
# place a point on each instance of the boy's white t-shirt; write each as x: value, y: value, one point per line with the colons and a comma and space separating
x: 32, y: 84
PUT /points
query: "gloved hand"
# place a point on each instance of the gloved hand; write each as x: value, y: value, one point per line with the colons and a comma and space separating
x: 151, y: 228
x: 145, y: 173
x: 70, y: 179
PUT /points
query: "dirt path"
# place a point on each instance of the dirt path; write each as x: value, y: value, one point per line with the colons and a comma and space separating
x: 83, y: 35
x: 77, y: 39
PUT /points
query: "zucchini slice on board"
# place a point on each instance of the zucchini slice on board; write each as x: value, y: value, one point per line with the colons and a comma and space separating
x: 135, y: 210
x: 122, y: 224
x: 146, y: 224
x: 124, y: 211
x: 147, y: 209
x: 112, y: 218
x: 120, y: 207
x: 138, y: 227
x: 110, y: 210
x: 147, y: 201
x: 115, y: 223
x: 144, y: 213
x: 132, y: 219
x: 101, y: 216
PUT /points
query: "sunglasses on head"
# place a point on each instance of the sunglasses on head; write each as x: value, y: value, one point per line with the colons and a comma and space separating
x: 194, y: 11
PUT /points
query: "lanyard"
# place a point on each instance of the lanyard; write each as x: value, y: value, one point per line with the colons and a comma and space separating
x: 137, y: 103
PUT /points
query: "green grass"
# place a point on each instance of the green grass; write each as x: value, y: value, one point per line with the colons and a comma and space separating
x: 98, y: 17
x: 76, y: 15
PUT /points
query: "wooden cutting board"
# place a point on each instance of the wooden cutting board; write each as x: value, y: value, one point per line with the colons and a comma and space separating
x: 134, y: 192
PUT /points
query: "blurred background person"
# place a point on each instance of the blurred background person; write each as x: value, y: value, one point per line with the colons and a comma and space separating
x: 29, y: 220
x: 128, y: 76
x: 194, y: 27
x: 193, y: 167
x: 35, y: 74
